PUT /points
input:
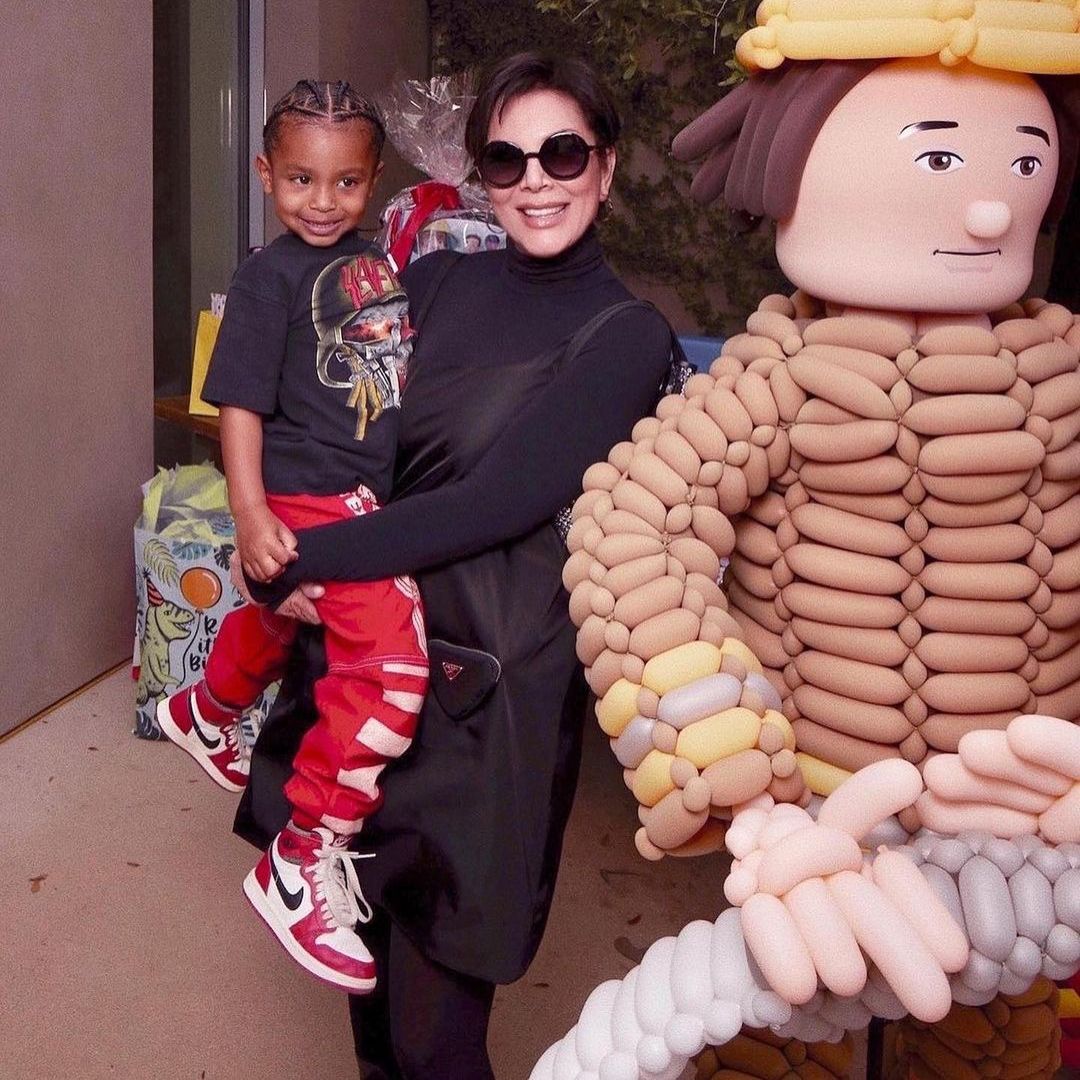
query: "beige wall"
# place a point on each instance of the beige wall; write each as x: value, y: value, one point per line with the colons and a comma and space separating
x: 369, y: 43
x: 75, y: 339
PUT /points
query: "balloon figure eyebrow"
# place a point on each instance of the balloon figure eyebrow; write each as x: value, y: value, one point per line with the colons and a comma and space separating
x: 926, y: 125
x: 1026, y: 129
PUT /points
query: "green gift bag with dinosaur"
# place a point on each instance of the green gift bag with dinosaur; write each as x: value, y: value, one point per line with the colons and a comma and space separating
x: 183, y: 539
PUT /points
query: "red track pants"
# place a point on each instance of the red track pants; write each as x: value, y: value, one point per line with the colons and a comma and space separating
x: 368, y: 701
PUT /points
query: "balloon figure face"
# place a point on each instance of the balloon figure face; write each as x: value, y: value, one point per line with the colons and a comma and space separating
x: 924, y: 191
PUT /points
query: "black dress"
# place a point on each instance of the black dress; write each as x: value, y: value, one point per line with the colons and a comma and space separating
x: 504, y: 409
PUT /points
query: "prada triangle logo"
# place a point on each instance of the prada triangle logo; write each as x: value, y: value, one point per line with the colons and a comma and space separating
x: 451, y: 671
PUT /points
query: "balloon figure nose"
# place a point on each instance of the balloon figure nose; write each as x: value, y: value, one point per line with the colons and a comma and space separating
x: 987, y: 220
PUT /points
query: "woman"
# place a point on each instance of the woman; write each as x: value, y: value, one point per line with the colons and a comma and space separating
x: 531, y: 362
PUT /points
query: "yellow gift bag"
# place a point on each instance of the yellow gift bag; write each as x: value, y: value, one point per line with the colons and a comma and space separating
x: 205, y: 336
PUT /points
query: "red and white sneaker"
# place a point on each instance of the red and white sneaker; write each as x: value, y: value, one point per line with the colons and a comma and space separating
x: 306, y: 890
x: 218, y: 747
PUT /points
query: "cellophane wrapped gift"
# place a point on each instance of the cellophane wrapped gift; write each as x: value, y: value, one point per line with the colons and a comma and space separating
x: 183, y: 540
x: 426, y: 123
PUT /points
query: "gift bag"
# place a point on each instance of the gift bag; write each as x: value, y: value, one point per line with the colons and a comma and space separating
x: 426, y: 123
x: 183, y: 539
x: 206, y: 332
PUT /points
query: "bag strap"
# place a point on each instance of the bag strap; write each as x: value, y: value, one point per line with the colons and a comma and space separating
x: 597, y: 322
x: 679, y: 368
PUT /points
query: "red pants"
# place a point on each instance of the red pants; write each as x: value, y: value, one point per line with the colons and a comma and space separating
x: 368, y: 701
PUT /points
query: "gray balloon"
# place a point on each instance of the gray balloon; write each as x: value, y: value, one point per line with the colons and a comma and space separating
x: 1004, y: 854
x: 634, y: 742
x: 944, y: 885
x: 698, y: 699
x: 1033, y: 903
x: 1049, y: 862
x: 988, y: 909
x: 950, y: 854
x: 981, y: 973
x: 1063, y: 945
x: 1067, y: 898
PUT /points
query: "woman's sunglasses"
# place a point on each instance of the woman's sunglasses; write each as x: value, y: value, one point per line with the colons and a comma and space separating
x: 563, y: 156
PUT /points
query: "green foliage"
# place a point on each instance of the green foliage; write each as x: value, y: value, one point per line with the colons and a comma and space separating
x: 160, y: 562
x: 666, y: 61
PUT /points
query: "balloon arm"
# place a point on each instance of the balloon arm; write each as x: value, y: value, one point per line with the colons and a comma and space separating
x: 650, y: 533
x: 659, y: 1016
x: 940, y: 918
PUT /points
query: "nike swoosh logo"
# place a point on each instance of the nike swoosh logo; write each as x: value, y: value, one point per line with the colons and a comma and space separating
x: 292, y: 900
x: 210, y: 744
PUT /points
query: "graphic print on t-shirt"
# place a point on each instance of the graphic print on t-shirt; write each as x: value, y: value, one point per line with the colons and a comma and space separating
x: 360, y: 313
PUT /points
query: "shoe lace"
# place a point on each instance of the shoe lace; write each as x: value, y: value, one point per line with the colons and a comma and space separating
x: 337, y: 887
x: 251, y: 724
x: 234, y: 739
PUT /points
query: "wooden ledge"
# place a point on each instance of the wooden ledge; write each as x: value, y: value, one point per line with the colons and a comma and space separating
x: 175, y: 410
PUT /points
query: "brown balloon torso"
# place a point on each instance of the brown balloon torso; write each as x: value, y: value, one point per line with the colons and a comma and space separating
x: 912, y: 570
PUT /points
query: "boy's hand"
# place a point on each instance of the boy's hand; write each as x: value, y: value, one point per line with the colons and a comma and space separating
x: 265, y: 544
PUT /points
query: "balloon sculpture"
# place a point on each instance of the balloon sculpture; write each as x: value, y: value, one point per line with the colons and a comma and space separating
x: 878, y: 714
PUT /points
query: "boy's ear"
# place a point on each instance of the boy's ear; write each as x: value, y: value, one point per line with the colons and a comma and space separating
x: 262, y: 167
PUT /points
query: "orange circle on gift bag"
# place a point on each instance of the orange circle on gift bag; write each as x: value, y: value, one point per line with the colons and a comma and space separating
x: 200, y: 587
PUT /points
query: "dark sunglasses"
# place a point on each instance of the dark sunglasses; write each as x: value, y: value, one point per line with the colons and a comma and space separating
x: 563, y: 156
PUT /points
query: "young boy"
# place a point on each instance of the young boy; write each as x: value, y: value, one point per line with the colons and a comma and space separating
x: 308, y: 370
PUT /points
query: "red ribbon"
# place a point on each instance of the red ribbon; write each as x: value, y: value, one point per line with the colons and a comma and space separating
x: 427, y: 198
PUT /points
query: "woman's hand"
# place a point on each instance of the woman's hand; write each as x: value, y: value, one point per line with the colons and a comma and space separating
x: 299, y: 604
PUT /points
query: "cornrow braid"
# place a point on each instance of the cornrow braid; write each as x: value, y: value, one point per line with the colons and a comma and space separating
x: 322, y: 102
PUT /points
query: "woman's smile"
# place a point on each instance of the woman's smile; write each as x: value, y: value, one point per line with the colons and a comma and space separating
x: 543, y: 216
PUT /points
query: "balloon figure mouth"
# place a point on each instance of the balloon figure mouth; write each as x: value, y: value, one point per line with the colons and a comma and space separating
x: 968, y: 254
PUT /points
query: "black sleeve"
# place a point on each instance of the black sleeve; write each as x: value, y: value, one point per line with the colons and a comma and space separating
x: 250, y: 348
x: 533, y: 470
x: 421, y: 279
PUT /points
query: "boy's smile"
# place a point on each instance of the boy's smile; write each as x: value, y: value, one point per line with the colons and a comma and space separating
x: 320, y: 177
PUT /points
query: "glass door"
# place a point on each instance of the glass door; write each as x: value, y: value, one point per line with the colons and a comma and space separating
x: 203, y: 74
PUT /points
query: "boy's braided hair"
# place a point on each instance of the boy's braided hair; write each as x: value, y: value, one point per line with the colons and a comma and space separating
x: 322, y: 102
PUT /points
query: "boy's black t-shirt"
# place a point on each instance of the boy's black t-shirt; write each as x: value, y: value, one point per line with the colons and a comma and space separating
x: 317, y: 341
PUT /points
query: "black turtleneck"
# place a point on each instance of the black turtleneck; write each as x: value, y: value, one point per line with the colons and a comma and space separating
x: 490, y: 309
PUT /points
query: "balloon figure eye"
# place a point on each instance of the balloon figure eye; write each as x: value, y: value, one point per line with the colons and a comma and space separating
x: 940, y: 161
x: 1026, y: 166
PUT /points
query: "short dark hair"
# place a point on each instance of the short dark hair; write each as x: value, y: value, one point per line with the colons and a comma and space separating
x: 757, y: 147
x: 322, y: 102
x: 1063, y: 93
x: 524, y: 71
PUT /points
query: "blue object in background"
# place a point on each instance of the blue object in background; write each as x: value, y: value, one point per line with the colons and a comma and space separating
x: 701, y: 351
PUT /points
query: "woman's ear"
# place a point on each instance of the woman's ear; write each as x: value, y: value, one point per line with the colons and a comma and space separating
x: 607, y: 172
